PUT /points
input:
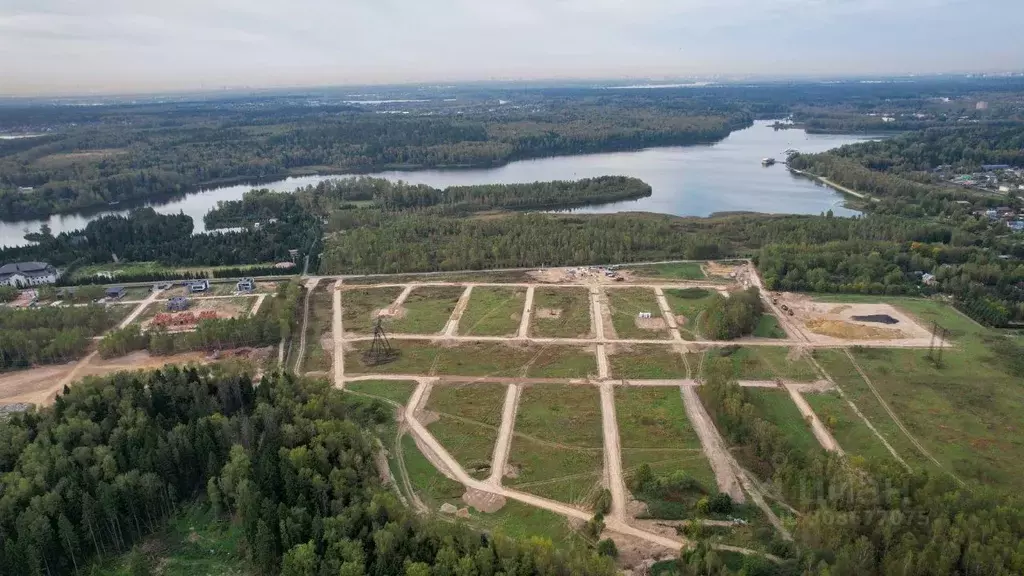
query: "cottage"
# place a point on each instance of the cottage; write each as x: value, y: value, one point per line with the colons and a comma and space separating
x: 246, y: 285
x: 115, y: 292
x: 21, y: 274
x: 177, y: 304
x: 196, y: 286
x: 928, y: 279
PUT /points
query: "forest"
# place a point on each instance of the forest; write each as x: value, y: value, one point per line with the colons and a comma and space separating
x: 30, y: 336
x: 290, y: 460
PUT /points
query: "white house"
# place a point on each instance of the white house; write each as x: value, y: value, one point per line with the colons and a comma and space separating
x: 21, y: 274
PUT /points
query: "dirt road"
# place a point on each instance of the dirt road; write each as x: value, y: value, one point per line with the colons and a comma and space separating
x: 820, y: 431
x: 524, y: 322
x: 714, y: 447
x: 310, y: 286
x: 613, y: 452
x: 337, y: 331
x: 259, y: 304
x: 402, y: 297
x: 453, y: 322
x: 666, y: 313
x: 503, y: 444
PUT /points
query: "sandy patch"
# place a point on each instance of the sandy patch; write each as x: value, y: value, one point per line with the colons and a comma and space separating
x: 394, y: 313
x: 549, y: 313
x: 650, y: 323
x: 723, y: 270
x: 327, y: 341
x: 483, y: 501
x: 850, y: 331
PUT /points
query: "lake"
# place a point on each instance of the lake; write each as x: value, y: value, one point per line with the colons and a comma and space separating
x: 686, y: 181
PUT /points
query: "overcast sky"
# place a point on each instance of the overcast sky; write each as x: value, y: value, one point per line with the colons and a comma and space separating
x: 90, y: 46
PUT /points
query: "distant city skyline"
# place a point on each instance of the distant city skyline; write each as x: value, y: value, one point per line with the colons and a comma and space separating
x: 65, y: 47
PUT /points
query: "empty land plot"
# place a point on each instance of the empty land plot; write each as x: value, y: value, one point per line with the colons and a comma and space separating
x: 468, y: 419
x: 493, y: 311
x: 841, y: 370
x: 647, y: 362
x: 966, y: 410
x: 761, y: 363
x: 433, y: 487
x: 676, y: 271
x: 119, y: 312
x: 359, y: 307
x: 778, y: 408
x: 654, y: 430
x: 561, y: 313
x: 319, y: 340
x: 852, y: 434
x: 498, y: 359
x: 557, y: 448
x: 397, y: 391
x: 522, y: 521
x: 426, y: 310
x: 688, y: 305
x: 626, y: 306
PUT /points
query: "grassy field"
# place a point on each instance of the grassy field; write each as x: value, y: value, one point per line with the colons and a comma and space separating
x: 678, y: 271
x: 358, y: 307
x: 493, y: 311
x: 688, y: 304
x: 768, y: 327
x: 778, y: 408
x: 397, y: 391
x: 522, y: 521
x: 626, y: 303
x: 648, y: 361
x: 427, y: 310
x: 841, y: 370
x: 433, y: 488
x: 760, y: 363
x: 561, y: 313
x: 321, y: 314
x: 654, y: 430
x: 469, y: 417
x: 195, y: 541
x: 852, y: 434
x: 557, y: 448
x: 480, y: 359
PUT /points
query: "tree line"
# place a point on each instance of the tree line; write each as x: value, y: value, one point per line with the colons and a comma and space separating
x: 30, y: 336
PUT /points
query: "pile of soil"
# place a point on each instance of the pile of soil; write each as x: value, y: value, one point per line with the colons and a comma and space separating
x: 879, y: 318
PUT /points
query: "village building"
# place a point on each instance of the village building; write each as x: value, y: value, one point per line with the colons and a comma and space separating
x: 22, y: 274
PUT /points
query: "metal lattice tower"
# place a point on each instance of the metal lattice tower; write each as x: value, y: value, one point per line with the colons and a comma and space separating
x: 380, y: 350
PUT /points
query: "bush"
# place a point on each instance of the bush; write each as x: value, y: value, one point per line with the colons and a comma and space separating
x: 607, y: 547
x: 721, y: 503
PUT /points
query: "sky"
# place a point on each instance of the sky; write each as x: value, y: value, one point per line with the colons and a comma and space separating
x: 121, y: 46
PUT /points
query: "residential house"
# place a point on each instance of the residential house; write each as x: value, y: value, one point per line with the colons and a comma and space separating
x: 197, y: 286
x: 177, y: 304
x: 21, y: 274
x: 246, y: 285
x: 115, y: 292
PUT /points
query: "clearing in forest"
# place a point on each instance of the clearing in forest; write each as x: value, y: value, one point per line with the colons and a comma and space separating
x: 359, y: 307
x: 561, y: 313
x: 654, y: 430
x: 319, y: 340
x: 557, y: 445
x: 646, y: 361
x: 493, y: 311
x: 468, y: 417
x: 688, y: 305
x: 426, y: 310
x: 627, y: 304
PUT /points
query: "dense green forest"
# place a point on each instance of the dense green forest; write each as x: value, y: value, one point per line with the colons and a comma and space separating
x: 272, y: 324
x: 30, y: 336
x: 290, y: 460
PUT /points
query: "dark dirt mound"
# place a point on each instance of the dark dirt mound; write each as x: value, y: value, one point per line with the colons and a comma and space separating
x: 879, y: 318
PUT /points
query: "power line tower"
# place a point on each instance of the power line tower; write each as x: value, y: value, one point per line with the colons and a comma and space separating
x: 380, y: 351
